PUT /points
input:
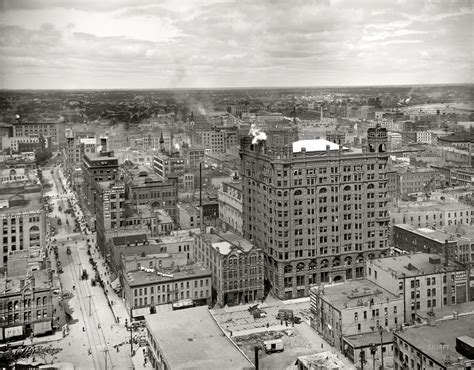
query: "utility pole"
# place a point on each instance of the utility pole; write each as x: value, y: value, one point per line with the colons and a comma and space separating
x: 381, y: 345
x: 130, y: 328
x: 362, y: 359
x: 373, y: 351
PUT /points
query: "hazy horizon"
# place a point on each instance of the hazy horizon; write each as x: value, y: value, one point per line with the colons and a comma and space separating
x: 241, y: 87
x: 227, y: 44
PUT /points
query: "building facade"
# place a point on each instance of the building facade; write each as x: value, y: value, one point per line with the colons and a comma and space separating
x: 213, y: 141
x: 26, y: 305
x: 109, y: 209
x: 316, y: 210
x: 411, y: 239
x: 426, y: 282
x: 148, y: 286
x: 149, y: 190
x: 229, y: 196
x: 22, y: 221
x: 55, y: 130
x: 236, y: 265
x: 359, y: 307
x: 97, y: 167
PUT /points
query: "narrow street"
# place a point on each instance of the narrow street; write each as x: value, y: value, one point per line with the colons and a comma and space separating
x: 95, y: 340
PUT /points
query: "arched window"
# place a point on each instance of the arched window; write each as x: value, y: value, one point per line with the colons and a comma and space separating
x: 323, y: 190
x: 336, y: 262
x: 324, y: 263
x: 360, y: 259
x: 348, y: 260
x: 347, y: 188
x: 34, y: 228
x: 45, y: 299
x: 38, y: 301
x: 312, y: 265
x: 371, y: 256
x: 300, y: 267
x: 288, y: 269
x: 370, y: 186
x: 298, y: 192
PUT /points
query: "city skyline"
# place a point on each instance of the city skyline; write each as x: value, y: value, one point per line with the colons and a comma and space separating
x: 214, y: 44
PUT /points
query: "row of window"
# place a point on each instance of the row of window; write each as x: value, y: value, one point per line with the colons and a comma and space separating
x: 27, y: 316
x: 169, y: 297
x: 169, y: 287
x: 375, y: 313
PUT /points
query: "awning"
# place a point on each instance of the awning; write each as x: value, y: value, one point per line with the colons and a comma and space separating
x: 14, y: 331
x: 115, y: 283
x: 42, y: 327
x: 137, y: 312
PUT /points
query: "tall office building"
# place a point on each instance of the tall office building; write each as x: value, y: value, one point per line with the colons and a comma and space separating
x: 316, y: 209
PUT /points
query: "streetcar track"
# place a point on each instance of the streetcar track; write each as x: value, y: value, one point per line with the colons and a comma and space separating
x: 102, y: 342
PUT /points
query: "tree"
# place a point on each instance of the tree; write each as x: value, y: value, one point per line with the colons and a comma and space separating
x: 45, y: 351
x: 12, y: 356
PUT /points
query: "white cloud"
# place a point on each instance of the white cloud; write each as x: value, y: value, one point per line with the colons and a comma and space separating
x: 142, y: 43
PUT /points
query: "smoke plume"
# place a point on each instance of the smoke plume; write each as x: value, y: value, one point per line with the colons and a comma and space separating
x: 257, y: 134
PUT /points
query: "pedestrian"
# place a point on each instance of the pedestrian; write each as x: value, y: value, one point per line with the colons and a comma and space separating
x: 83, y: 328
x: 322, y: 345
x: 268, y: 325
x: 98, y: 326
x: 117, y: 348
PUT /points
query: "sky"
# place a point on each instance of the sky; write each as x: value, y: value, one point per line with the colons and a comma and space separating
x: 146, y: 44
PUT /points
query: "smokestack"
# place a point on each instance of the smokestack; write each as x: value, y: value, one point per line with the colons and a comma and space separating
x: 446, y: 253
x: 103, y: 145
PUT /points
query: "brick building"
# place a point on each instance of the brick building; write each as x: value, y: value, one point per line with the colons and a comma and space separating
x: 97, y: 167
x: 359, y: 307
x: 425, y: 281
x: 411, y: 239
x: 26, y: 305
x: 315, y: 209
x: 236, y: 265
x: 22, y: 220
x: 230, y: 204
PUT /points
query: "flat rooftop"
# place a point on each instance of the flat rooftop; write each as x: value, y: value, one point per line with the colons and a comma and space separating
x: 22, y: 202
x: 140, y: 277
x: 191, y: 339
x: 227, y: 241
x: 350, y: 293
x: 100, y: 156
x: 415, y: 264
x: 111, y: 185
x: 176, y: 238
x: 132, y: 239
x: 433, y: 205
x: 366, y: 339
x: 315, y: 145
x: 236, y: 184
x: 437, y: 235
x: 12, y: 284
x: 439, y: 341
x: 322, y: 360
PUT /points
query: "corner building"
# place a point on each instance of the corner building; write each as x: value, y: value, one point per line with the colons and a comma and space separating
x: 316, y: 209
